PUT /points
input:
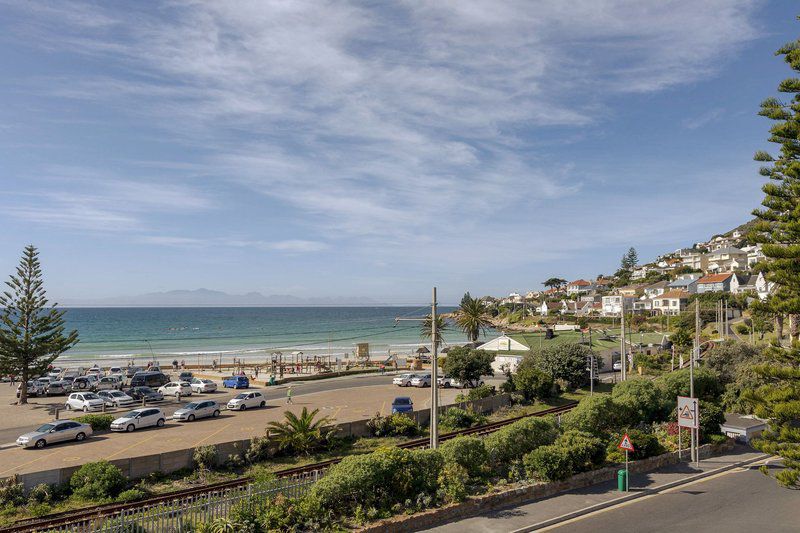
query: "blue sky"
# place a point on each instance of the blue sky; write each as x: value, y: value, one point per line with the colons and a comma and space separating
x: 334, y: 148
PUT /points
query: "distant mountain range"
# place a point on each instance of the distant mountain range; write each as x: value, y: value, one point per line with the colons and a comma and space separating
x: 210, y: 298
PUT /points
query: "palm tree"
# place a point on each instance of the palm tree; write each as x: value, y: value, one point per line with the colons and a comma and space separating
x: 300, y: 434
x: 472, y: 317
x: 425, y: 328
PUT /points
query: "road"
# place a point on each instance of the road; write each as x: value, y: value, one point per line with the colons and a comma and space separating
x: 741, y: 499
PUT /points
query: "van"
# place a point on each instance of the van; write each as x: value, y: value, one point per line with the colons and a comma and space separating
x: 149, y: 379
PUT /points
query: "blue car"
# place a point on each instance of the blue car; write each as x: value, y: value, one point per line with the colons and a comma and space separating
x: 236, y: 382
x: 402, y: 404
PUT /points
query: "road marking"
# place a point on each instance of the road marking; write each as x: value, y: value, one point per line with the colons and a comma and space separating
x: 29, y: 462
x: 383, y: 406
x: 658, y: 492
x: 337, y: 412
x: 196, y: 444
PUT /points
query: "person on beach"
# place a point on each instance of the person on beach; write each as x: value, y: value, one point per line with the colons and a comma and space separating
x: 289, y: 396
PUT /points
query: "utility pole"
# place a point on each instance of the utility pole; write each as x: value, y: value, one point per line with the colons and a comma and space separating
x: 591, y: 364
x: 695, y: 355
x: 622, y: 357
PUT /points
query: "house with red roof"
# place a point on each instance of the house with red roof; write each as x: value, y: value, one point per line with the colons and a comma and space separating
x: 578, y: 286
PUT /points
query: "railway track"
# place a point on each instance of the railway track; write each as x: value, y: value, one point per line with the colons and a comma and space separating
x: 87, y: 514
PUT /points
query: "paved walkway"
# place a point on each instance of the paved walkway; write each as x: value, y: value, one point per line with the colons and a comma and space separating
x: 533, y: 516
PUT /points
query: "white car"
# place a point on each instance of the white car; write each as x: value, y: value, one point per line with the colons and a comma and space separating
x: 403, y: 380
x: 194, y: 410
x: 455, y: 382
x: 55, y: 373
x: 84, y: 401
x: 174, y: 388
x: 94, y: 371
x: 421, y: 380
x: 116, y: 398
x: 107, y: 383
x: 617, y: 366
x: 202, y: 385
x: 245, y: 400
x: 138, y: 419
x: 114, y: 370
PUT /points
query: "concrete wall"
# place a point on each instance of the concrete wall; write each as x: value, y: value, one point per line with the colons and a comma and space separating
x: 167, y: 462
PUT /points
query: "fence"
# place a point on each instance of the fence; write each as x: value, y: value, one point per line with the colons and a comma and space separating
x: 179, y: 515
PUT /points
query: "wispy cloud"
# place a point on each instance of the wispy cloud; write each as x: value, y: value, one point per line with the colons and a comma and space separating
x: 695, y: 122
x: 287, y: 246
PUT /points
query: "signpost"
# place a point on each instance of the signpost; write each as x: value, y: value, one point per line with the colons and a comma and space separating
x: 688, y: 417
x: 626, y: 445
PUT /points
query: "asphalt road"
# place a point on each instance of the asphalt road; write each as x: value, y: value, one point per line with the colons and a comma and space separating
x: 738, y: 501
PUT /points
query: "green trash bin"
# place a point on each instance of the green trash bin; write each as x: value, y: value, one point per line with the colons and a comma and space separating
x: 622, y: 480
x: 272, y: 380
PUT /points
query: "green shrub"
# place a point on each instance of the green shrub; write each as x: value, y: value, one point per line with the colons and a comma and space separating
x: 585, y: 450
x: 707, y: 385
x: 394, y: 425
x: 260, y: 449
x: 131, y: 495
x: 598, y: 415
x: 644, y: 444
x: 468, y: 452
x: 515, y: 440
x: 640, y: 401
x: 39, y: 509
x: 478, y: 393
x: 41, y: 493
x: 453, y: 481
x: 532, y: 382
x: 98, y: 422
x: 97, y: 481
x: 205, y: 456
x: 457, y: 418
x: 548, y: 463
x: 716, y: 439
x: 245, y: 515
x: 711, y: 416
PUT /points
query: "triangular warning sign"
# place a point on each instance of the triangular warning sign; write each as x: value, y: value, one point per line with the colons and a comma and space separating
x: 626, y: 443
x: 686, y: 413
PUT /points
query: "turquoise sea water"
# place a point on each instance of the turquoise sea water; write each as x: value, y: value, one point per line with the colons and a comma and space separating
x: 199, y: 334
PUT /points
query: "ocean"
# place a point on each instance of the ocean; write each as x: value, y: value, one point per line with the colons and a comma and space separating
x: 201, y: 334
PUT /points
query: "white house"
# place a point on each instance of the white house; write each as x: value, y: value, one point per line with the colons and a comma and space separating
x: 612, y: 304
x: 655, y: 289
x: 671, y: 303
x: 508, y: 362
x: 578, y: 286
x: 686, y: 282
x: 743, y: 427
x: 503, y: 343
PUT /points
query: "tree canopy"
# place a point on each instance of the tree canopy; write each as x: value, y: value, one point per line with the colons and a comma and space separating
x: 472, y: 317
x: 568, y: 362
x: 467, y: 364
x: 31, y: 333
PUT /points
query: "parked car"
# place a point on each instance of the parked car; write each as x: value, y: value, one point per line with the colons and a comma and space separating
x: 43, y: 382
x: 138, y: 419
x: 84, y: 401
x: 175, y: 388
x: 470, y: 384
x: 236, y: 382
x: 107, y: 383
x: 94, y: 371
x: 402, y: 404
x: 193, y: 410
x: 58, y: 387
x: 84, y: 383
x: 155, y: 368
x: 246, y: 400
x: 421, y: 380
x: 52, y: 432
x: 119, y: 377
x: 202, y: 385
x: 34, y: 388
x: 185, y: 376
x: 149, y: 379
x: 116, y: 398
x: 132, y: 371
x: 145, y: 393
x: 55, y: 373
x: 403, y: 380
x: 114, y: 370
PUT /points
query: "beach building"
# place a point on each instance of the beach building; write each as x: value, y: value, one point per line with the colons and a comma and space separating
x: 743, y: 428
x: 503, y: 343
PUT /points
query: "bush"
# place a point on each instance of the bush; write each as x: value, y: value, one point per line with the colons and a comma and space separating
x: 457, y: 418
x: 260, y: 449
x: 468, y: 452
x: 453, y: 481
x: 566, y: 362
x: 711, y: 416
x: 98, y: 422
x: 640, y: 401
x: 548, y: 463
x: 585, y: 450
x: 205, y: 456
x: 97, y: 481
x: 707, y: 385
x: 644, y: 444
x: 39, y: 509
x: 41, y: 493
x: 394, y: 425
x: 515, y: 440
x: 598, y: 415
x: 478, y: 393
x: 532, y: 382
x: 717, y: 439
x: 131, y: 495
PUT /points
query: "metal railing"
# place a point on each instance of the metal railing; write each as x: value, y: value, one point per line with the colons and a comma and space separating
x: 180, y: 515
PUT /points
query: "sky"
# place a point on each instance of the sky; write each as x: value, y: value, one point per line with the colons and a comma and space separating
x: 375, y: 149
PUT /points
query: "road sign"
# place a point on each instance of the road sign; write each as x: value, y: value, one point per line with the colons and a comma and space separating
x: 626, y: 444
x: 688, y: 412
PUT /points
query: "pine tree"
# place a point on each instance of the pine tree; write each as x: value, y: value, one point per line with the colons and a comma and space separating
x: 31, y: 333
x: 629, y: 260
x: 778, y: 228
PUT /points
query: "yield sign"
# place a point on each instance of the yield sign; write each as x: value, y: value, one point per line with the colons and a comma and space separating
x: 626, y: 443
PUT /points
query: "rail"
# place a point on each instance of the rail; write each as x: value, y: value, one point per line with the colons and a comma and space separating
x: 172, y: 509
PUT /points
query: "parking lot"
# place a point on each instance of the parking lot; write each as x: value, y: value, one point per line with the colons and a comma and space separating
x: 344, y: 399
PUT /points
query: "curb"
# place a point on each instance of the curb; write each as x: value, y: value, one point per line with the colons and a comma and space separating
x: 636, y: 495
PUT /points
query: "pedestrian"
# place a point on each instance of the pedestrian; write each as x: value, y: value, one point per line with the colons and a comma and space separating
x: 256, y: 372
x: 183, y: 364
x: 383, y: 369
x: 174, y: 364
x: 289, y: 396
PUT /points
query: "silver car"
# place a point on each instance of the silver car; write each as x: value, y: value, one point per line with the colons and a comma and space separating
x: 139, y: 418
x: 52, y: 432
x: 58, y: 387
x: 116, y: 398
x: 194, y: 410
x: 202, y: 385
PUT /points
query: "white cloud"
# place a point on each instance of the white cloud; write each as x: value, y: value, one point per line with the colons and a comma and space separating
x: 290, y: 246
x: 701, y: 120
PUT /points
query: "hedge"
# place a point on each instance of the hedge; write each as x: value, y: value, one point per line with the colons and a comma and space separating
x: 98, y: 422
x: 468, y: 452
x: 515, y: 440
